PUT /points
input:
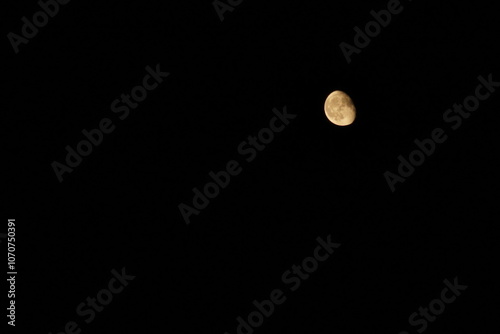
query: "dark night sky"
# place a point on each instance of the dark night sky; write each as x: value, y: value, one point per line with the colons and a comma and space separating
x: 119, y: 207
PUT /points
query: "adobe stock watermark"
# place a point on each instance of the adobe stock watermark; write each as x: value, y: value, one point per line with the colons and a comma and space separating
x: 372, y: 29
x: 103, y: 298
x: 427, y: 146
x: 119, y: 106
x: 29, y: 30
x: 221, y: 7
x: 248, y: 149
x: 293, y: 278
x: 436, y: 306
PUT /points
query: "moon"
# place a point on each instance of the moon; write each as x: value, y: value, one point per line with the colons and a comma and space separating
x: 340, y: 109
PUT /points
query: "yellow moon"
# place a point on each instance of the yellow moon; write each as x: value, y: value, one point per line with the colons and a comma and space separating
x: 340, y: 109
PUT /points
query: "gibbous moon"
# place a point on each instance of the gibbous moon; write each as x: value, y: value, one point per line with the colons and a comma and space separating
x: 340, y: 109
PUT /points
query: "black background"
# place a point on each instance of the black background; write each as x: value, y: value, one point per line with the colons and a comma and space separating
x: 119, y: 208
